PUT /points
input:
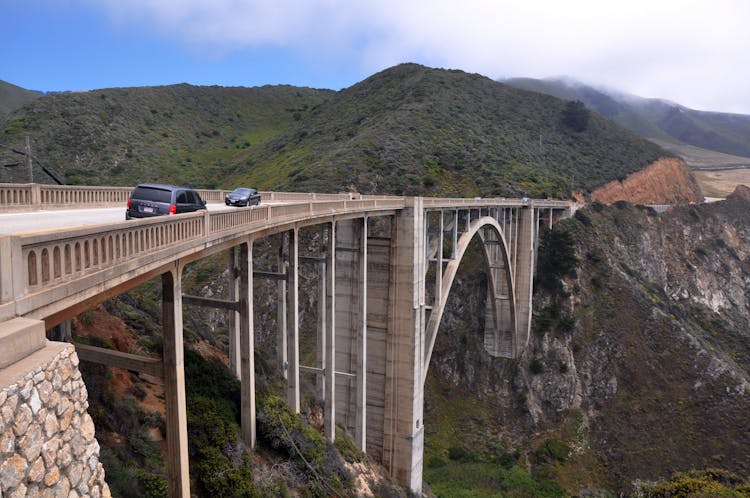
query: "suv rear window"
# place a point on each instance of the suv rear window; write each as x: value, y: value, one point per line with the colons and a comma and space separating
x: 152, y: 194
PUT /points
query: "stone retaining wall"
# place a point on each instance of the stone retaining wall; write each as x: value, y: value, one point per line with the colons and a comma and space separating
x: 47, y: 443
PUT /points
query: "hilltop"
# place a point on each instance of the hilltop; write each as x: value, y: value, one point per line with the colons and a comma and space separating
x: 406, y: 130
x: 14, y: 97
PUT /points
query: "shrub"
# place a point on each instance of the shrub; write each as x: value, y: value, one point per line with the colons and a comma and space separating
x: 153, y: 485
x: 283, y: 430
x: 218, y: 477
x: 575, y: 115
x: 566, y: 323
x: 714, y: 483
x: 458, y: 454
x: 556, y: 259
x: 346, y: 447
x: 551, y: 451
x: 583, y: 218
x: 536, y: 366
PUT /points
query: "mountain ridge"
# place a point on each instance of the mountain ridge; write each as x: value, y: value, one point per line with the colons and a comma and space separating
x: 409, y: 130
x: 653, y: 118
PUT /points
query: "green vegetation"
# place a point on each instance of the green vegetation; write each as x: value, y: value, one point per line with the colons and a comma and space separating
x: 134, y: 466
x: 465, y: 480
x: 708, y: 483
x: 557, y: 258
x: 407, y: 130
x: 180, y: 133
x: 575, y: 115
x: 283, y: 430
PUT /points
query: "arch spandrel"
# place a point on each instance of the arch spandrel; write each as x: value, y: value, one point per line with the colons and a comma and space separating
x: 496, y: 256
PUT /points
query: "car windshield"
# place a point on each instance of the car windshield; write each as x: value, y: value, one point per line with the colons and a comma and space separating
x: 243, y: 191
x: 152, y: 194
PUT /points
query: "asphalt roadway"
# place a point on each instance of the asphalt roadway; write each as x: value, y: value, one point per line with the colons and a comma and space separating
x: 42, y: 221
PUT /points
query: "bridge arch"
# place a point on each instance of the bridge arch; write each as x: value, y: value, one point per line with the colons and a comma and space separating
x: 501, y: 287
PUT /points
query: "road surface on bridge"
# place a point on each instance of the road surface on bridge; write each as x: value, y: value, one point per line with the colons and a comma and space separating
x: 38, y: 221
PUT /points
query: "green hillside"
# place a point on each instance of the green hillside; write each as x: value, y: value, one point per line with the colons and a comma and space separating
x: 406, y: 130
x: 14, y: 97
x: 654, y: 118
x: 179, y: 133
x: 416, y: 130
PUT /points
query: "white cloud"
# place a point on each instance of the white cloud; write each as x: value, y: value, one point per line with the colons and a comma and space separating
x: 693, y: 52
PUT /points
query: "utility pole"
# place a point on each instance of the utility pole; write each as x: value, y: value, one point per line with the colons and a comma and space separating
x: 28, y: 159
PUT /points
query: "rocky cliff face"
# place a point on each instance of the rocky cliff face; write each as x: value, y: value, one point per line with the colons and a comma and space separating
x: 639, y: 364
x: 666, y: 181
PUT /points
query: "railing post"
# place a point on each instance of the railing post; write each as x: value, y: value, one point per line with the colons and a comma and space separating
x: 12, y: 268
x: 36, y: 196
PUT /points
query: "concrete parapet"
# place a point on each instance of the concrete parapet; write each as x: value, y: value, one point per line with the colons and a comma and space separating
x: 19, y: 338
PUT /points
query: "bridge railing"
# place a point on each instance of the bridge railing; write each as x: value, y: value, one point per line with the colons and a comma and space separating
x: 35, y: 264
x: 35, y: 196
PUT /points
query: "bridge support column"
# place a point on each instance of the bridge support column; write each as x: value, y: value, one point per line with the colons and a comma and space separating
x: 292, y: 330
x: 404, y: 390
x: 360, y: 434
x: 174, y: 383
x: 281, y: 308
x: 351, y: 323
x: 329, y: 416
x: 525, y: 257
x: 247, y: 342
x: 234, y: 317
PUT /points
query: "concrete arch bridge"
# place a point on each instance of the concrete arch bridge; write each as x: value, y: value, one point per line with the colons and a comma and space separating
x: 386, y: 266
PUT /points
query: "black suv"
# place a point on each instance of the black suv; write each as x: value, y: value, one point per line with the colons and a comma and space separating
x: 153, y: 199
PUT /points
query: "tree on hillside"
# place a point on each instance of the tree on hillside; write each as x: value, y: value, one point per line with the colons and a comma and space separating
x: 575, y: 115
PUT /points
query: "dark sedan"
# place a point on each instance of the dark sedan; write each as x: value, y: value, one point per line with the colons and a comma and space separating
x: 242, y: 197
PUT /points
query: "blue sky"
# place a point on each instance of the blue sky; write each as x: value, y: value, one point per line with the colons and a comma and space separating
x: 696, y: 53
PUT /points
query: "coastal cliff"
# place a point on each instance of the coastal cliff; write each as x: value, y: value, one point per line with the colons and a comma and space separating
x: 666, y: 181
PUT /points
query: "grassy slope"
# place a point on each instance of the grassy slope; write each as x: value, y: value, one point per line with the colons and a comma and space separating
x: 415, y: 130
x: 179, y: 133
x: 408, y: 129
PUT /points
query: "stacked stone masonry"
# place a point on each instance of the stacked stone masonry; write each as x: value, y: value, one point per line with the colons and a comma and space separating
x: 47, y: 443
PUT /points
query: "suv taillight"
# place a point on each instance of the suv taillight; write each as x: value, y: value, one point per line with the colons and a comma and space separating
x: 128, y: 206
x: 172, y: 209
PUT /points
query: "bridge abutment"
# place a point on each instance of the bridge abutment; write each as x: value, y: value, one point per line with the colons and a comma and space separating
x: 47, y: 438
